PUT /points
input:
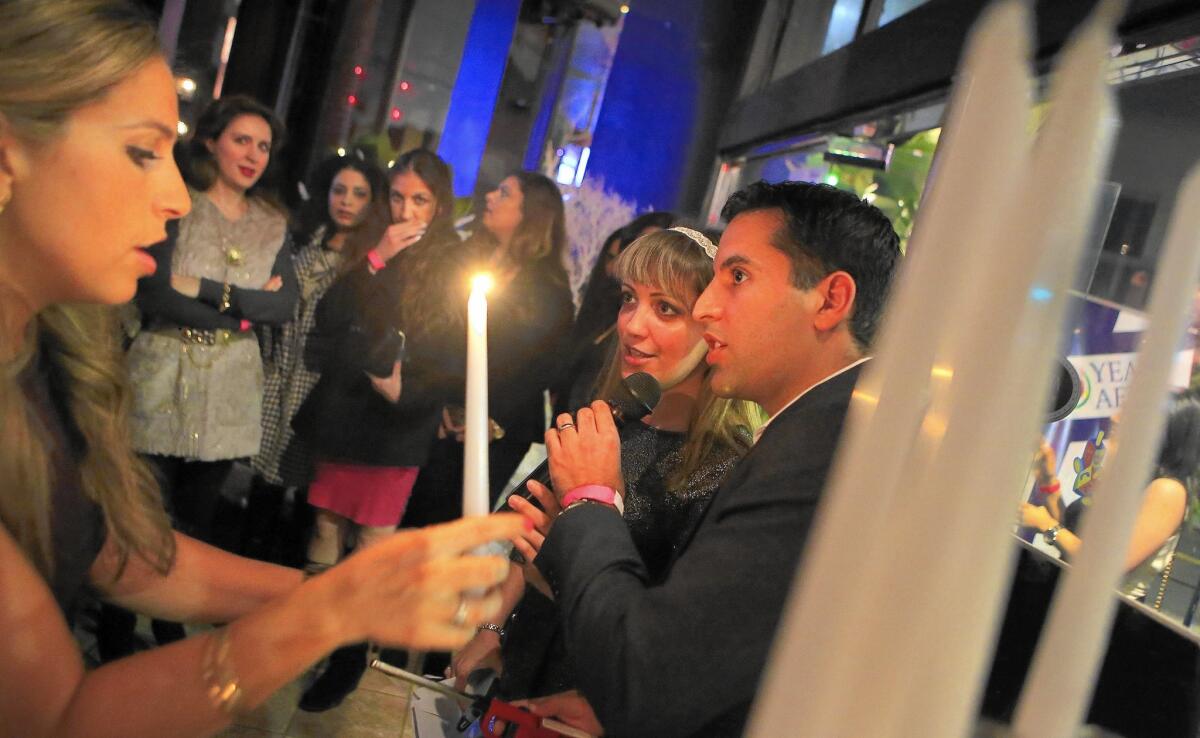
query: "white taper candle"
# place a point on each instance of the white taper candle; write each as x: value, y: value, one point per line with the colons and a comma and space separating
x: 476, y: 435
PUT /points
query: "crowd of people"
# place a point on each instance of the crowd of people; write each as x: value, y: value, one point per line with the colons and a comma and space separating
x: 326, y: 350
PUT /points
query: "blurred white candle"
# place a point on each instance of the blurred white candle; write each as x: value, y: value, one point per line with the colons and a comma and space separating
x: 1059, y: 688
x: 966, y: 567
x: 476, y: 436
x: 815, y: 669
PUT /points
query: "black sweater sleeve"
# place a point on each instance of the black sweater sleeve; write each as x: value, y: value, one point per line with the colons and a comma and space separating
x: 260, y: 306
x: 159, y: 301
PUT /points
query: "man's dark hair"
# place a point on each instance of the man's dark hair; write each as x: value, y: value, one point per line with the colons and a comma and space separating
x: 826, y: 230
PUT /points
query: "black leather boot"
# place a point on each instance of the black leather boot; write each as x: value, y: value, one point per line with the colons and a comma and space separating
x: 340, y: 678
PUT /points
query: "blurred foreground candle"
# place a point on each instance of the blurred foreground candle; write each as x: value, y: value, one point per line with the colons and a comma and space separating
x: 475, y: 441
x: 1062, y: 678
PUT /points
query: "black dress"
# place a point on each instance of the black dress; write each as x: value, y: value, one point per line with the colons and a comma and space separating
x: 76, y: 522
x: 534, y: 652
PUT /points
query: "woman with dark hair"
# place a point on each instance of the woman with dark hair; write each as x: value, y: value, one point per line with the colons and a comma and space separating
x: 196, y: 368
x: 1165, y: 503
x: 521, y: 242
x: 594, y: 323
x: 351, y: 188
x: 420, y: 196
x: 79, y: 510
x: 369, y: 430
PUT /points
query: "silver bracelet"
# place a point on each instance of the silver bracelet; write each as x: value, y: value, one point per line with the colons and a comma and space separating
x: 492, y: 627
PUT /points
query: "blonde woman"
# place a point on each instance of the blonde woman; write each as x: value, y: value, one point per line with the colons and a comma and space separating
x: 77, y: 507
x: 672, y: 460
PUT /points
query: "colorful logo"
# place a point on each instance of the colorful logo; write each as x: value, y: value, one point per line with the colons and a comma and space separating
x: 1085, y: 390
x: 1088, y: 464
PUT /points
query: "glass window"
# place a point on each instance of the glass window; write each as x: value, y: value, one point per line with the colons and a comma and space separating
x: 893, y: 9
x: 814, y: 29
x: 569, y: 140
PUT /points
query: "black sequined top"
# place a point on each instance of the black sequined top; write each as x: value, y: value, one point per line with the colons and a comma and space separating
x: 534, y: 652
x: 659, y: 519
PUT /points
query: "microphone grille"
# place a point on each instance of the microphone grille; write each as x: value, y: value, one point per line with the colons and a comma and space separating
x: 644, y: 391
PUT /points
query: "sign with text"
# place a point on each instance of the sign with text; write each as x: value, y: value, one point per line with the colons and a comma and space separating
x: 1104, y: 380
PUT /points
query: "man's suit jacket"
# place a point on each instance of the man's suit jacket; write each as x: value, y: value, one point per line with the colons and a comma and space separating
x: 684, y: 658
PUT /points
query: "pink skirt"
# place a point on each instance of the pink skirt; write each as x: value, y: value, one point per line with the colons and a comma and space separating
x: 368, y: 495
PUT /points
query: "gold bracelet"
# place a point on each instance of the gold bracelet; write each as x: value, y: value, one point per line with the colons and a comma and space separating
x: 220, y: 680
x: 226, y: 298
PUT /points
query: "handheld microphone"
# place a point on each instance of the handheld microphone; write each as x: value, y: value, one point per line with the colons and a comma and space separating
x: 633, y: 400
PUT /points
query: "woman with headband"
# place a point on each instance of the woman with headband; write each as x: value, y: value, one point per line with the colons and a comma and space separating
x: 672, y: 460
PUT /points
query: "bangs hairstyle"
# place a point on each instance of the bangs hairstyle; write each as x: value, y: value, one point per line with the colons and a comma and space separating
x: 56, y: 57
x: 673, y: 262
x: 669, y: 260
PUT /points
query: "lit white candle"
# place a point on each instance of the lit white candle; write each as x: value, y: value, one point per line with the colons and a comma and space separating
x: 476, y: 434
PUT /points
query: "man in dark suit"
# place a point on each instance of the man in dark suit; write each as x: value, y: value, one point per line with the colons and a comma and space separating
x: 801, y: 276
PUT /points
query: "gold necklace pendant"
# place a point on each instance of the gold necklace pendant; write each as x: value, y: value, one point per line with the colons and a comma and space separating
x: 233, y: 255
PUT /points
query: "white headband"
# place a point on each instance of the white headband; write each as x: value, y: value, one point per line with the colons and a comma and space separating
x: 700, y: 239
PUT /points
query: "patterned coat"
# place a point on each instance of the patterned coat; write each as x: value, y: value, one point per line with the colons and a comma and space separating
x: 283, y: 458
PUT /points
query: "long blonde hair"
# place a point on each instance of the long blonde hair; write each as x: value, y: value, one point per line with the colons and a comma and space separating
x: 55, y: 57
x: 673, y: 262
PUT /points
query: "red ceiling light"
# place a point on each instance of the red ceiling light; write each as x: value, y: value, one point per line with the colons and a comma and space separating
x: 404, y: 86
x: 358, y: 70
x: 352, y: 99
x: 396, y: 114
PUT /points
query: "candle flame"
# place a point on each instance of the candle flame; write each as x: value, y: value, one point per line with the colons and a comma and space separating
x: 482, y: 282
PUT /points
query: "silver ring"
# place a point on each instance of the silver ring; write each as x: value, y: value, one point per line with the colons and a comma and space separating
x: 565, y: 426
x: 459, y: 618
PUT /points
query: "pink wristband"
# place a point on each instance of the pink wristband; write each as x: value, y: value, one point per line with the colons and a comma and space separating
x: 597, y: 492
x: 373, y: 259
x: 245, y: 325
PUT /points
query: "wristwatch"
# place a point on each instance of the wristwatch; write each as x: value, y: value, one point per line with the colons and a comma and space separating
x: 1051, y: 536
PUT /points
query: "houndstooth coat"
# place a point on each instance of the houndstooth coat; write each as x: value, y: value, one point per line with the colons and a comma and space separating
x: 283, y: 459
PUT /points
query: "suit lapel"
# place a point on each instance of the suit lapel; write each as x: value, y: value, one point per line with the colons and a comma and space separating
x: 842, y: 384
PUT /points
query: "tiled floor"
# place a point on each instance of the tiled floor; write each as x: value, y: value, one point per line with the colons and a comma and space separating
x: 377, y: 708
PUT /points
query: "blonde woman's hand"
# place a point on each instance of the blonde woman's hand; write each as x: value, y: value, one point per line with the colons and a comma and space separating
x: 541, y: 518
x: 274, y: 284
x: 481, y: 652
x: 411, y: 589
